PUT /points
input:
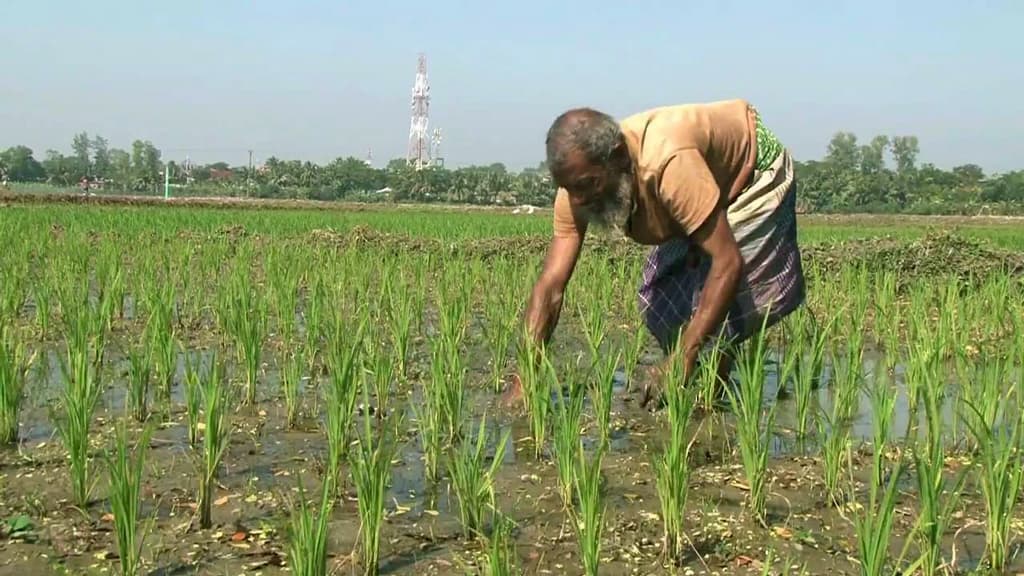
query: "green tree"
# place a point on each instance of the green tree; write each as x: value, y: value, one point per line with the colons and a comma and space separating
x: 21, y: 166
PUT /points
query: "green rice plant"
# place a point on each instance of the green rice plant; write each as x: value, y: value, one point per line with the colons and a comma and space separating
x: 936, y: 504
x: 998, y: 465
x: 473, y: 480
x: 12, y: 289
x: 382, y: 368
x: 216, y: 408
x: 292, y: 363
x: 41, y: 295
x: 81, y: 369
x: 883, y: 407
x: 672, y: 466
x: 710, y: 385
x: 500, y: 555
x: 371, y: 475
x: 139, y: 375
x: 14, y: 366
x: 589, y: 519
x: 568, y: 409
x: 632, y: 352
x: 342, y: 395
x: 249, y: 327
x: 308, y: 536
x: 601, y: 389
x: 160, y: 334
x: 285, y: 290
x: 753, y: 425
x: 193, y: 400
x: 316, y: 299
x: 448, y: 383
x: 536, y: 378
x: 400, y: 319
x: 837, y: 421
x: 499, y: 329
x: 873, y: 523
x: 429, y: 415
x: 594, y: 322
x: 809, y: 370
x: 124, y: 468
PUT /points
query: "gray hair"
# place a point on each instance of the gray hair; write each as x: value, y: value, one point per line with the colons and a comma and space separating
x: 585, y: 131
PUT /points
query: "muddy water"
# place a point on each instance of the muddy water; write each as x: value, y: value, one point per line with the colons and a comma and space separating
x: 422, y: 534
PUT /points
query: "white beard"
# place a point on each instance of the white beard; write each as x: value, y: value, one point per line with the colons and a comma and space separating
x: 612, y: 217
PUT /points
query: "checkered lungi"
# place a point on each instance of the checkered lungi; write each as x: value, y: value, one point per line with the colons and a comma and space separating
x: 763, y: 220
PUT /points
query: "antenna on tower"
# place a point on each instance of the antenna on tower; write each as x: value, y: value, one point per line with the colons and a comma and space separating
x: 438, y: 159
x: 419, y: 148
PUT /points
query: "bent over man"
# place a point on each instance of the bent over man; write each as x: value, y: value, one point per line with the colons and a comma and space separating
x: 710, y: 188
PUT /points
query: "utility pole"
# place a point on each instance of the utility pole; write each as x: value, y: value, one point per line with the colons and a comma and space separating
x: 248, y: 177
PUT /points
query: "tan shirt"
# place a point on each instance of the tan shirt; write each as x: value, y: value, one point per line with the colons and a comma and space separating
x: 688, y: 158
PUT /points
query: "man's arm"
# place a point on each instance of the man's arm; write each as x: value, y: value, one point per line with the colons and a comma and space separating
x: 715, y: 238
x: 545, y: 304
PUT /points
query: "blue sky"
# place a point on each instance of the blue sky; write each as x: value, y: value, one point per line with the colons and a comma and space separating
x: 317, y: 79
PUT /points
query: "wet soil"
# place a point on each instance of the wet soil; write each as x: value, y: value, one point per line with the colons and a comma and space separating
x: 421, y: 534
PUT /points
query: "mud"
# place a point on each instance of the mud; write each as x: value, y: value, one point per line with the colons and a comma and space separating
x: 421, y: 534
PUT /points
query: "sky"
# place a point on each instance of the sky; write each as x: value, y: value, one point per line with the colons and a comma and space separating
x: 319, y: 79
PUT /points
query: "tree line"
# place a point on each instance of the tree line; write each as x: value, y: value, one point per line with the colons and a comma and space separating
x: 881, y: 175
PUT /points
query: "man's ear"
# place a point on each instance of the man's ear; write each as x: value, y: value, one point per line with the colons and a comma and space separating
x: 620, y: 154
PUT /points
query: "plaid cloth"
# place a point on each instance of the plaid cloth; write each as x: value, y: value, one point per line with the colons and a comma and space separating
x: 763, y: 220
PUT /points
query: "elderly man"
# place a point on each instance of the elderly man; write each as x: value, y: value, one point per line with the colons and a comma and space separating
x: 710, y: 188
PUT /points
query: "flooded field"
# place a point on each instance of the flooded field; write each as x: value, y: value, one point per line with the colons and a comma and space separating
x: 205, y: 390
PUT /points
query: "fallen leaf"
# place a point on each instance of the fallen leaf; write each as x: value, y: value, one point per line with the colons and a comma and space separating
x: 238, y: 536
x: 782, y: 532
x: 108, y: 517
x: 220, y: 501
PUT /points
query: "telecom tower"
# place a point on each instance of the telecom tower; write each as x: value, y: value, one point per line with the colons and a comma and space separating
x: 419, y: 143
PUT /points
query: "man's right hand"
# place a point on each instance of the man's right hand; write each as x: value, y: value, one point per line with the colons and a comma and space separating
x: 545, y: 304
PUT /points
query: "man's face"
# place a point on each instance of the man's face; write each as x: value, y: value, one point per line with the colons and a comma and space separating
x: 604, y: 196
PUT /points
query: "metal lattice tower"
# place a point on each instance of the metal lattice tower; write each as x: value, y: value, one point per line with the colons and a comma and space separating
x: 419, y: 140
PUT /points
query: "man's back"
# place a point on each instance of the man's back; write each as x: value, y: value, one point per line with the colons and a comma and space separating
x: 722, y: 132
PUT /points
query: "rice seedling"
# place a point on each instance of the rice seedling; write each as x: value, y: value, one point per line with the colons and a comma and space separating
x: 873, y: 523
x: 998, y: 465
x: 499, y: 329
x: 753, y: 426
x: 249, y: 322
x: 382, y: 368
x: 307, y: 536
x: 500, y: 555
x: 430, y: 425
x: 371, y: 474
x: 472, y: 480
x: 193, y: 400
x: 292, y: 363
x: 566, y: 434
x: 590, y: 517
x: 41, y: 292
x: 216, y: 407
x: 124, y: 469
x: 837, y: 421
x: 14, y: 367
x: 161, y: 337
x: 808, y: 370
x: 313, y: 318
x: 601, y: 389
x: 936, y: 505
x: 671, y: 466
x: 342, y: 394
x: 139, y: 374
x: 536, y: 376
x: 400, y: 319
x: 81, y: 370
x: 632, y: 352
x: 448, y: 382
x: 285, y: 291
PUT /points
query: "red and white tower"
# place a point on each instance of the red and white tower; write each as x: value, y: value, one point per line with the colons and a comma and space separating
x: 419, y: 139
